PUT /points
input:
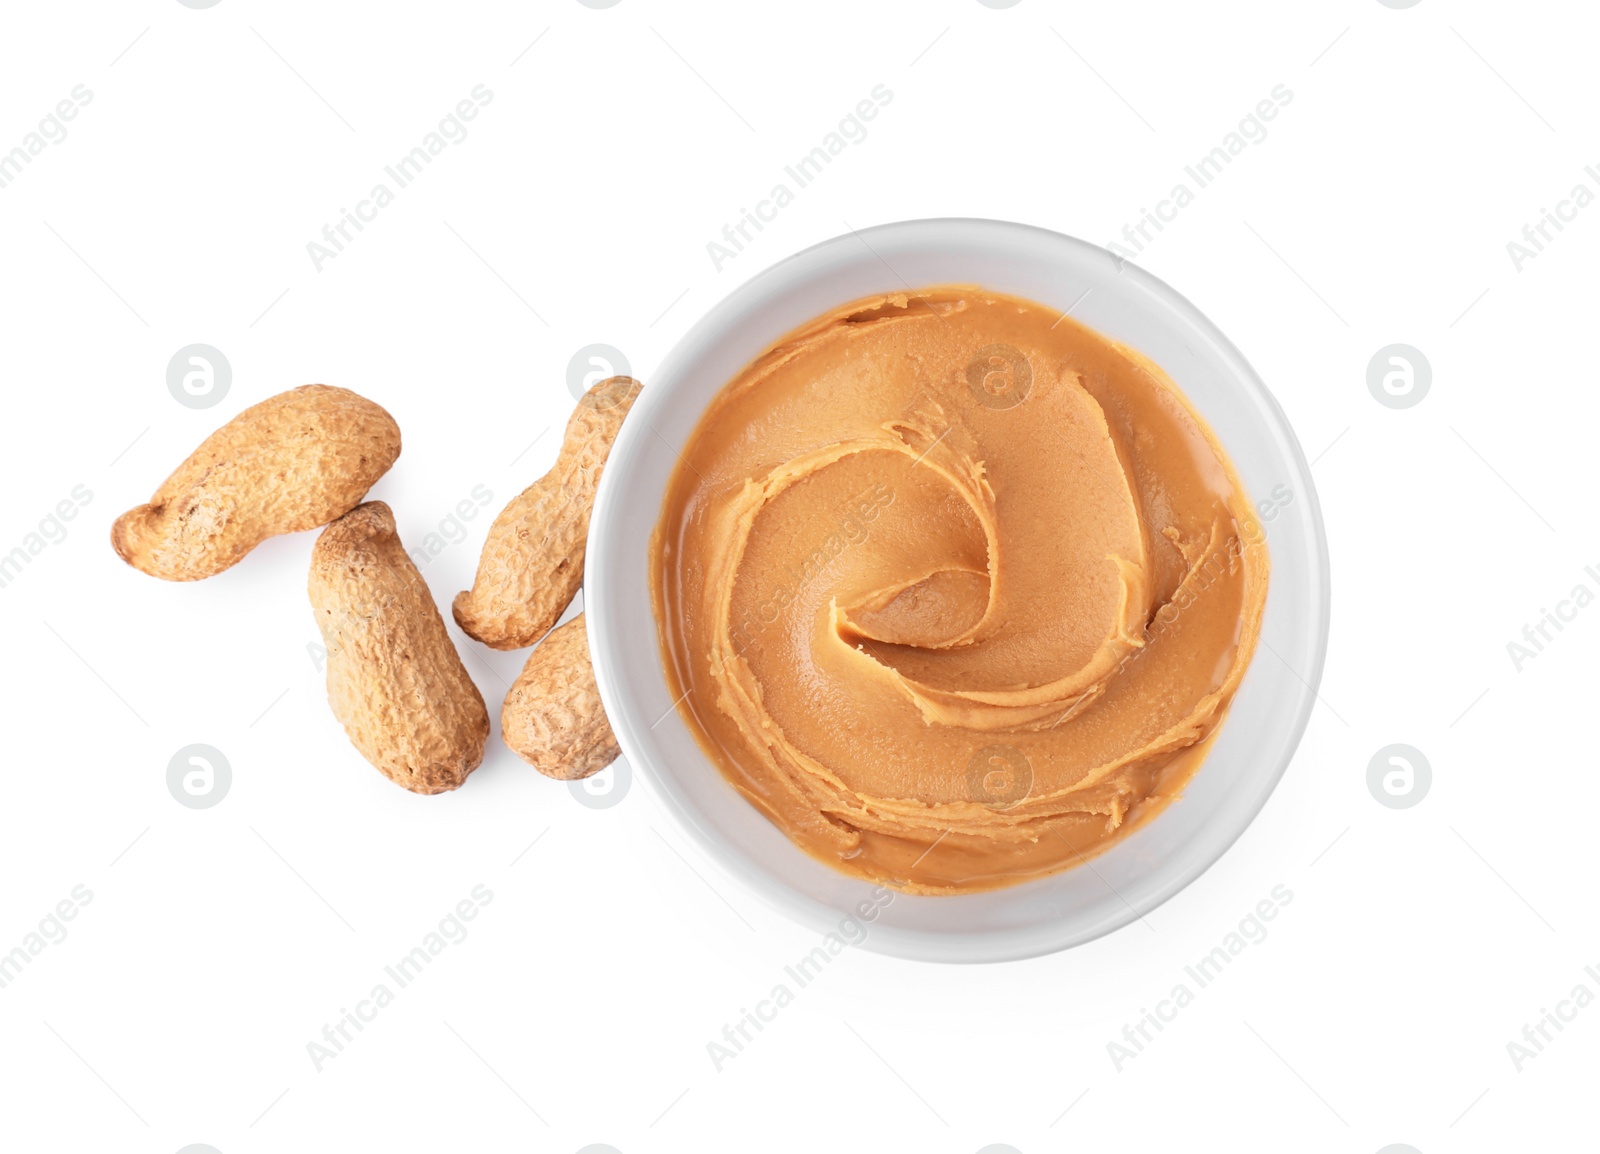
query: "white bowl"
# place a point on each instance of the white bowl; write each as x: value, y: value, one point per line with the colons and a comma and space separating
x: 1127, y: 304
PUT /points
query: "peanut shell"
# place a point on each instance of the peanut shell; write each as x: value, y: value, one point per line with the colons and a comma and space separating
x: 395, y: 679
x: 552, y: 718
x: 295, y: 461
x: 532, y: 562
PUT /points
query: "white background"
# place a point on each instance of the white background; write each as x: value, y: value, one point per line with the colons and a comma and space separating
x: 219, y: 942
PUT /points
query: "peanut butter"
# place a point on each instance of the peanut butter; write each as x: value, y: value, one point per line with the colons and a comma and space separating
x: 955, y: 589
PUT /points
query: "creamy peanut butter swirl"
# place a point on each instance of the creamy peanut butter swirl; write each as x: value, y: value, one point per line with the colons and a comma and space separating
x: 955, y: 589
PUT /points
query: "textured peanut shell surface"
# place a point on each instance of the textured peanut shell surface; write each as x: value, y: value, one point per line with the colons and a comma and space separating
x: 290, y: 463
x: 532, y: 561
x: 395, y: 680
x: 552, y: 718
